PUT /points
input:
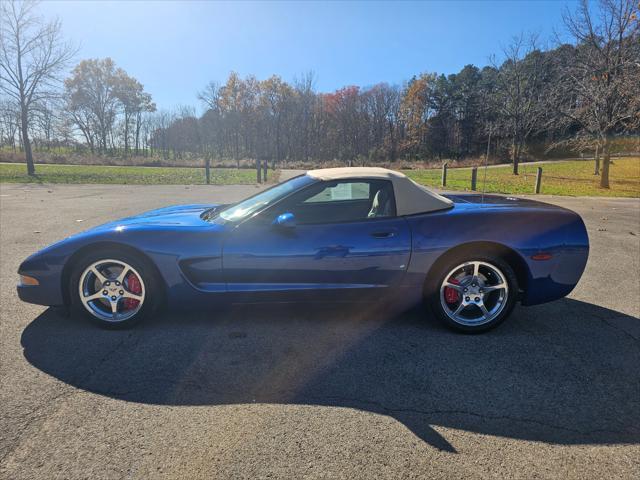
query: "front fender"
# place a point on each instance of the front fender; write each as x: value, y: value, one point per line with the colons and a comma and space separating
x: 164, y: 246
x: 46, y: 266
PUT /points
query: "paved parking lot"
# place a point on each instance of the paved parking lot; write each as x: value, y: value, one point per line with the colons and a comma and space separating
x: 323, y: 392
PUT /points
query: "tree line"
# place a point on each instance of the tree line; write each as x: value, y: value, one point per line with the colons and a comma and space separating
x: 578, y: 95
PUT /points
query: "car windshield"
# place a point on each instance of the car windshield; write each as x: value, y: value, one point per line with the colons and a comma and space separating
x: 245, y: 208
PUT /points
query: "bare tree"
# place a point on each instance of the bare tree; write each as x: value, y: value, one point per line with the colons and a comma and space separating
x: 210, y: 122
x: 44, y: 118
x: 210, y: 96
x: 520, y: 91
x: 32, y: 57
x: 9, y: 123
x: 603, y: 77
x: 306, y: 99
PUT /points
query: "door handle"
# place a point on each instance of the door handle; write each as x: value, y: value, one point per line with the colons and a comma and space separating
x: 383, y: 234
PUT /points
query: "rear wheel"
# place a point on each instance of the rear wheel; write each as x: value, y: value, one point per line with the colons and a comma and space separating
x: 474, y: 294
x: 113, y: 288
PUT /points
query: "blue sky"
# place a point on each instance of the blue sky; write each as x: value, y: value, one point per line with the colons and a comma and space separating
x: 175, y: 48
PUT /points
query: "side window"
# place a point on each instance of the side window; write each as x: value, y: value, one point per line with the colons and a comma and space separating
x: 342, y: 191
x: 341, y: 201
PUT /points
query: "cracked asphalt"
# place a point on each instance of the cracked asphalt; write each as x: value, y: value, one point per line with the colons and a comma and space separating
x: 311, y: 391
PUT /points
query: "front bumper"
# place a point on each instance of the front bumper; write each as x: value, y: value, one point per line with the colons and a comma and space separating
x: 34, y: 294
x: 48, y: 292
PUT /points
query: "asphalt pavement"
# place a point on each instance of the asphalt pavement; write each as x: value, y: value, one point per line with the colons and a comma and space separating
x: 316, y: 391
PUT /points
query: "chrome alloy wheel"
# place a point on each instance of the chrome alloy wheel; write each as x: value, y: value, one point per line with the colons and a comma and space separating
x: 474, y: 293
x: 111, y: 290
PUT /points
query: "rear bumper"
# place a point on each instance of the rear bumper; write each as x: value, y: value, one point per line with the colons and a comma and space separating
x: 558, y: 278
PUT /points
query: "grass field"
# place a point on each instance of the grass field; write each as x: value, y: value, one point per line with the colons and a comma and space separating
x: 16, y: 173
x: 559, y: 178
x: 573, y: 178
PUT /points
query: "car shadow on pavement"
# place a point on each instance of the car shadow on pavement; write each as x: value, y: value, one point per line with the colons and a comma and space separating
x: 566, y: 372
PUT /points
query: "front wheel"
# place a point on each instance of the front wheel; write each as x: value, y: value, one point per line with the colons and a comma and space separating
x: 473, y: 295
x: 114, y: 289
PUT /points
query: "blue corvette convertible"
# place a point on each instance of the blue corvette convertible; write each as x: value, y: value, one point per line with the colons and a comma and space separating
x: 331, y: 234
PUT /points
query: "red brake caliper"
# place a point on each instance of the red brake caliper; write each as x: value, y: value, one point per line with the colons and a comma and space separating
x: 451, y: 295
x: 133, y: 285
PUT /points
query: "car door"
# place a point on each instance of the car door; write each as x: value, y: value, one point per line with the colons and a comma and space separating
x: 337, y: 246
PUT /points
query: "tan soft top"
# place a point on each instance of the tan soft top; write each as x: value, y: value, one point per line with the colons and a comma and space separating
x: 411, y: 198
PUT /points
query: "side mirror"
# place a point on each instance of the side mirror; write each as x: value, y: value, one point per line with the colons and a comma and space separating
x: 285, y: 220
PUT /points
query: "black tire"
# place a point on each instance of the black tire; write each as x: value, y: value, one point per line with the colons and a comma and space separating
x: 152, y: 286
x: 434, y: 299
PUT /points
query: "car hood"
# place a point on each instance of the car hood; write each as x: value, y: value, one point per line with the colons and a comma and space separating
x: 175, y: 216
